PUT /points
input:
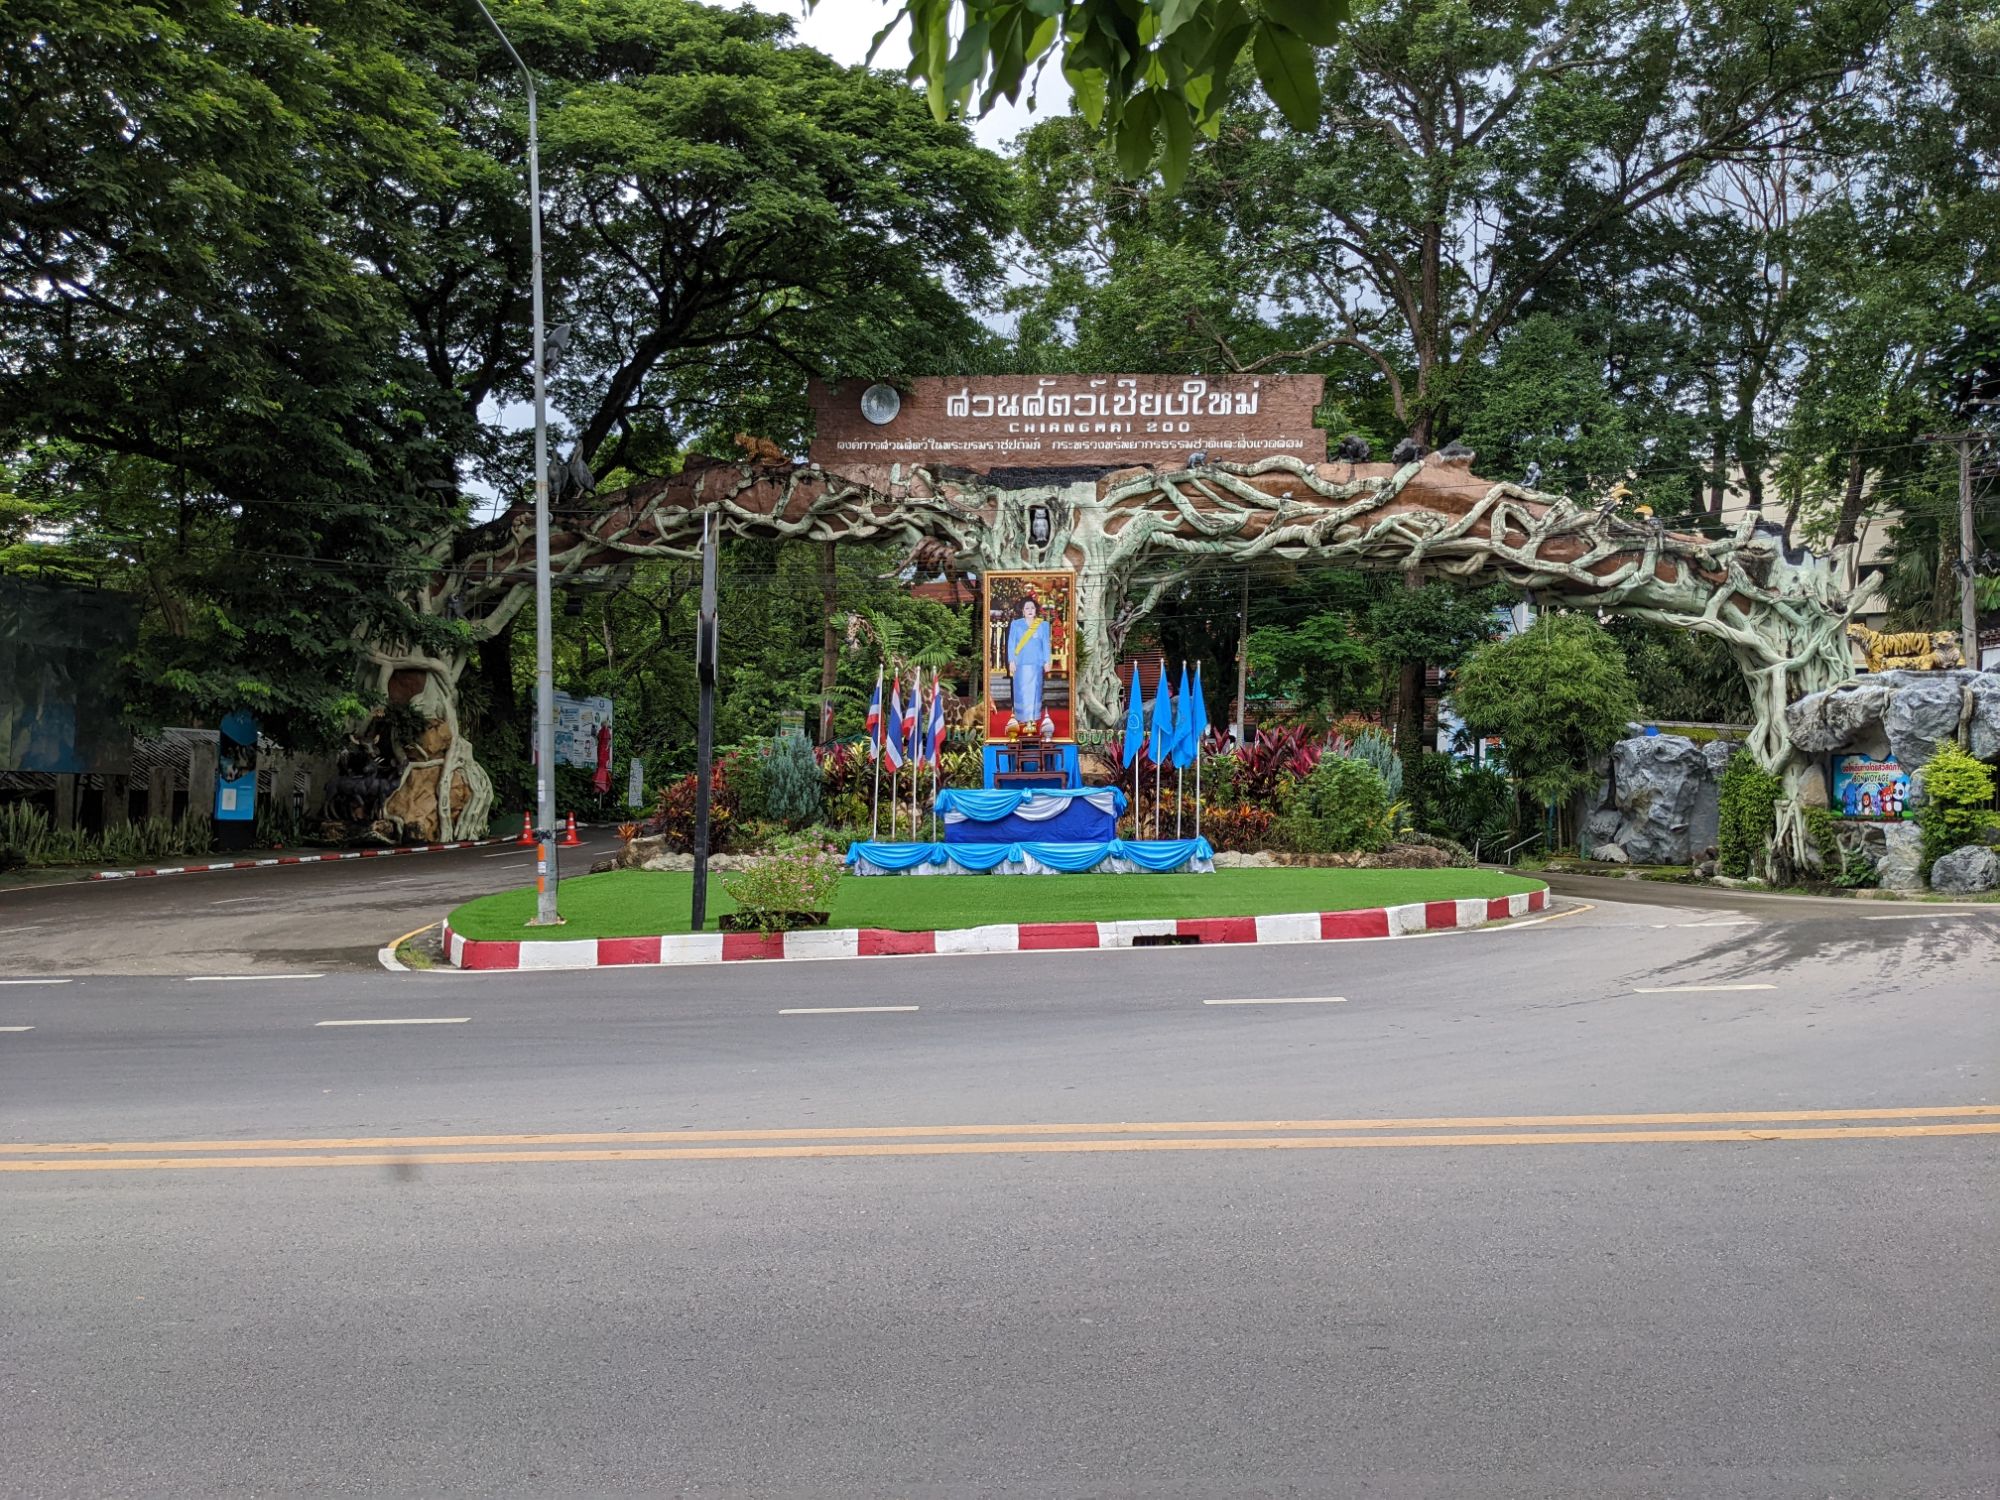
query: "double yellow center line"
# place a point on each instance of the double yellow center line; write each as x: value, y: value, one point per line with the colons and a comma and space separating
x: 1000, y: 1140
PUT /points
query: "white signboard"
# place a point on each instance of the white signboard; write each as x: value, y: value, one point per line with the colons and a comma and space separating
x: 577, y: 723
x: 635, y: 789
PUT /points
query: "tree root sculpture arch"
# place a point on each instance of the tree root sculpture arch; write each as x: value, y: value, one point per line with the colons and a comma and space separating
x: 1133, y: 534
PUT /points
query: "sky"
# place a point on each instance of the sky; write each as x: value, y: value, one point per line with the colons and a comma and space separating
x: 843, y: 29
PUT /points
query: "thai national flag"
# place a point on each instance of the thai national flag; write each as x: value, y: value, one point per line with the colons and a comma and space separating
x: 909, y: 717
x: 875, y: 717
x: 937, y: 723
x: 892, y: 738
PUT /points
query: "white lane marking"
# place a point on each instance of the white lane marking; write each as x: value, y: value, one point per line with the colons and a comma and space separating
x: 1918, y: 916
x: 402, y: 1021
x: 1288, y: 1000
x: 1701, y: 989
x: 507, y: 853
x: 16, y: 1028
x: 234, y: 978
x: 841, y: 1010
x: 239, y: 900
x: 34, y: 981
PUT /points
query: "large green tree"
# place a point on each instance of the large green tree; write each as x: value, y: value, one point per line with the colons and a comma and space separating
x: 1555, y: 696
x: 263, y: 292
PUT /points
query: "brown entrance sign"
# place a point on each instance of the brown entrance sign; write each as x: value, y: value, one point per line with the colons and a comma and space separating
x: 1033, y: 421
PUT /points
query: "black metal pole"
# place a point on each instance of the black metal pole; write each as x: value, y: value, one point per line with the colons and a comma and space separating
x: 704, y: 747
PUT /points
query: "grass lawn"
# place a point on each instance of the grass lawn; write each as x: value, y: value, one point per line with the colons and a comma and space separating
x: 638, y: 903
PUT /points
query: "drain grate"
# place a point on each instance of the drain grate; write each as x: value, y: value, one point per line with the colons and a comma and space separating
x: 1165, y: 939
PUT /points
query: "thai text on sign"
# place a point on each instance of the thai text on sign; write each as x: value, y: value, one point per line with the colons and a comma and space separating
x: 1113, y: 421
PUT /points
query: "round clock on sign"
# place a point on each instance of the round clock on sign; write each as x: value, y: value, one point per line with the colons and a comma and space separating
x: 880, y: 403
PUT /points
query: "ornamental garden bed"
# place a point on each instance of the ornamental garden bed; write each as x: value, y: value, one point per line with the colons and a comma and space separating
x: 642, y: 903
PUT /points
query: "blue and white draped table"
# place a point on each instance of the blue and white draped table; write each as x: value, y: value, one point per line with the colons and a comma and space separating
x: 1076, y: 815
x: 1035, y: 857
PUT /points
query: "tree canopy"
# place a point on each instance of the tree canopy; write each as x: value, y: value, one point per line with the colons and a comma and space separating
x: 263, y: 291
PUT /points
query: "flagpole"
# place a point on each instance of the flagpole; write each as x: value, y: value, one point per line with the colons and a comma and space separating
x: 1197, y: 788
x: 917, y: 762
x: 1180, y: 772
x: 875, y: 804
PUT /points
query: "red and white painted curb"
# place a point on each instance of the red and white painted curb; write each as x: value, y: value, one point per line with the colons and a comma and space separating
x: 292, y: 859
x: 876, y: 942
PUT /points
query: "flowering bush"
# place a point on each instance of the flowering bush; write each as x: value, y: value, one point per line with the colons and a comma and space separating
x: 795, y: 881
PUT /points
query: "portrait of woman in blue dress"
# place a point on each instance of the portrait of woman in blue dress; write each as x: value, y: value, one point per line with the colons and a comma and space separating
x: 1027, y: 661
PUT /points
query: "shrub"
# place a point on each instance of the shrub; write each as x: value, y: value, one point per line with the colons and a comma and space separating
x: 749, y: 781
x: 1376, y: 748
x: 1238, y: 827
x: 1460, y: 856
x: 1272, y: 760
x: 1824, y: 829
x: 791, y: 781
x: 1748, y: 815
x: 1342, y: 806
x: 844, y: 771
x: 24, y: 835
x: 1472, y: 805
x: 1957, y: 803
x: 27, y: 839
x: 798, y: 878
x: 675, y: 815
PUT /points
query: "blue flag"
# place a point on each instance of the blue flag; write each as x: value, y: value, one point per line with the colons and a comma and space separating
x: 1183, y: 751
x: 1160, y: 742
x: 1135, y: 718
x: 1200, y: 713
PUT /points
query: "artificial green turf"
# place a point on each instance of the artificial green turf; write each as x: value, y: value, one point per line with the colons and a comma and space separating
x: 638, y: 903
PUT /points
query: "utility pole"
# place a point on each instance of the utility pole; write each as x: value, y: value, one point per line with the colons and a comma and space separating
x: 1242, y: 664
x: 704, y: 745
x: 547, y: 876
x: 1968, y: 541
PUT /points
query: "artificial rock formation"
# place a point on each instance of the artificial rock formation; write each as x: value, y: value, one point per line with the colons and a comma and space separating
x: 1967, y: 871
x: 1660, y: 800
x: 1907, y: 714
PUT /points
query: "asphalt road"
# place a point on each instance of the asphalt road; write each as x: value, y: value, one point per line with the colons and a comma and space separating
x: 297, y: 917
x: 1062, y: 1228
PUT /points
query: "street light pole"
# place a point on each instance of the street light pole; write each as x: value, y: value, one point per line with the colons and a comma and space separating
x: 546, y: 875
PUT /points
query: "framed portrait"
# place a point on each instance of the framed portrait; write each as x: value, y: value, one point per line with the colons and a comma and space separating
x: 1030, y: 629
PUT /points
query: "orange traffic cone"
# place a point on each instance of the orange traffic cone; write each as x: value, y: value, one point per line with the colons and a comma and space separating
x: 569, y: 838
x: 527, y: 829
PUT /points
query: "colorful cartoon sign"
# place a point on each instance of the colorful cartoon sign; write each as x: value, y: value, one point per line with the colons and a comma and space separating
x: 1864, y: 787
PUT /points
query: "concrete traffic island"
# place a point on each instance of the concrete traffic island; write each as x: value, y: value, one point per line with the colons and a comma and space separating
x: 633, y: 917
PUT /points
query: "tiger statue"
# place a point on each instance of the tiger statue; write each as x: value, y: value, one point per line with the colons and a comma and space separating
x: 1911, y: 650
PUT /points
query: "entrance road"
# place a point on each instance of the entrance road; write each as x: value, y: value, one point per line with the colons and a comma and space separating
x: 980, y: 1298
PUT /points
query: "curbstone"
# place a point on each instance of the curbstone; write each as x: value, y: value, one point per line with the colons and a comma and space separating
x: 1028, y: 937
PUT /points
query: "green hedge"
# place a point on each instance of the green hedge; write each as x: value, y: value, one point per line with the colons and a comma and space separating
x: 1749, y: 815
